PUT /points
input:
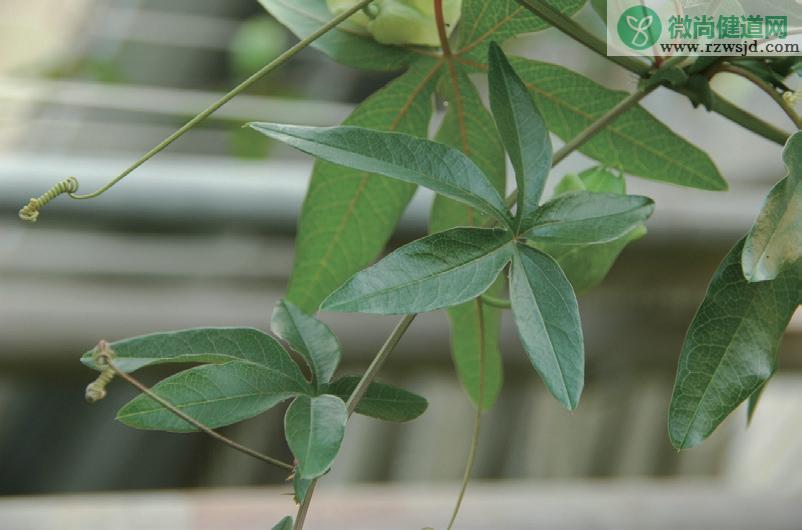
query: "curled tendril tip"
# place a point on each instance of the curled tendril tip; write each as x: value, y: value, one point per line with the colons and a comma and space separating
x: 30, y: 212
x: 96, y: 390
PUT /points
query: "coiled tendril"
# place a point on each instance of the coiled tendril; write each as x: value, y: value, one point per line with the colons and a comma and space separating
x: 96, y: 390
x: 30, y: 212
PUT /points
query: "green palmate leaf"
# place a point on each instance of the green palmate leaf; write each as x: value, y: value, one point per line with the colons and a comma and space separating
x: 522, y: 130
x: 396, y: 155
x: 596, y: 179
x: 314, y: 427
x: 547, y: 318
x: 468, y: 127
x: 381, y: 401
x: 775, y: 241
x: 584, y: 217
x: 635, y: 142
x: 731, y: 348
x: 500, y: 20
x: 201, y: 345
x: 346, y: 43
x: 309, y: 337
x: 284, y: 524
x: 587, y: 265
x: 215, y: 395
x: 441, y: 270
x: 475, y: 329
x: 342, y: 229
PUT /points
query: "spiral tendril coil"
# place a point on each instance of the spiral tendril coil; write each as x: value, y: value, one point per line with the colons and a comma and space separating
x: 30, y: 212
x: 96, y: 390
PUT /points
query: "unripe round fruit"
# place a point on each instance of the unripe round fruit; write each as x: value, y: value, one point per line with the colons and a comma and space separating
x: 401, y: 21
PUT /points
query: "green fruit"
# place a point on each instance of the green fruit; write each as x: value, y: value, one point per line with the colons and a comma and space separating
x: 401, y: 21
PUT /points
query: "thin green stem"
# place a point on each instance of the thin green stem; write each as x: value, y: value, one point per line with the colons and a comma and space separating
x: 378, y: 361
x: 568, y: 26
x: 108, y: 361
x: 609, y: 117
x: 736, y: 114
x: 357, y: 395
x: 303, y: 509
x: 765, y: 87
x: 466, y: 478
x: 477, y: 422
x: 280, y: 60
x: 720, y: 104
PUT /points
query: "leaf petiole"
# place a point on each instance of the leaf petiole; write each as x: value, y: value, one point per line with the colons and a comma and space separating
x: 502, y: 303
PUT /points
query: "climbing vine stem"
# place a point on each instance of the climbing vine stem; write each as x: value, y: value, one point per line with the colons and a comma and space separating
x: 31, y: 211
x: 357, y: 395
x: 104, y: 357
x: 477, y: 421
x: 765, y: 87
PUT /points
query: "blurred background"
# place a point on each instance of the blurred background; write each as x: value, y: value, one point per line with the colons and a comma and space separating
x: 203, y: 236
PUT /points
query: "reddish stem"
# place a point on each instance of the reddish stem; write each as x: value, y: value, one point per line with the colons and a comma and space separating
x: 441, y: 27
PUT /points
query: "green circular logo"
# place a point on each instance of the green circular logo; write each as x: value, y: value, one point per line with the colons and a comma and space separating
x: 639, y: 27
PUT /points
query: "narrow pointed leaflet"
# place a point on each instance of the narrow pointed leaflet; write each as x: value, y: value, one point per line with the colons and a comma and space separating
x: 396, y: 155
x: 547, y: 318
x: 437, y: 271
x: 522, y: 130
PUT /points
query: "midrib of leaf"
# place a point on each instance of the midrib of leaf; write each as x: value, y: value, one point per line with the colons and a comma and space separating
x: 784, y: 221
x: 416, y: 92
x: 463, y: 129
x: 365, y: 175
x: 552, y: 349
x: 367, y: 399
x: 579, y: 247
x: 429, y: 277
x: 490, y: 31
x: 311, y: 430
x: 726, y: 353
x: 614, y: 131
x: 208, y: 401
x: 597, y: 218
